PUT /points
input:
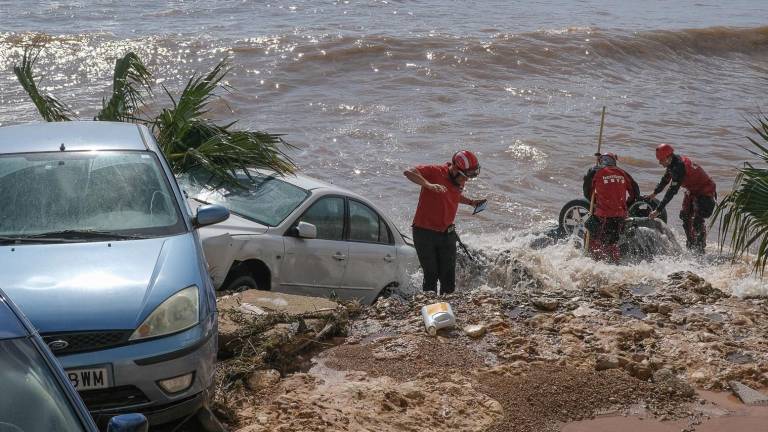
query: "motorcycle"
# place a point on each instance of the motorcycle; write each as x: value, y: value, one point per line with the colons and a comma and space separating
x: 642, y: 237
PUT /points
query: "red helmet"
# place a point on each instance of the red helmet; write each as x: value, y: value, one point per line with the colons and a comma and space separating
x: 466, y: 162
x: 663, y: 151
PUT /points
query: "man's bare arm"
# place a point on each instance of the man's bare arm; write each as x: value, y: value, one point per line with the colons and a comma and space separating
x: 415, y: 176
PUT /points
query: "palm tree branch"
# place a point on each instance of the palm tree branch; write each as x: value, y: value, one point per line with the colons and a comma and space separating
x: 47, y: 105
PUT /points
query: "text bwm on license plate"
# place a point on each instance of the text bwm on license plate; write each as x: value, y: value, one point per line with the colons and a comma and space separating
x: 89, y: 379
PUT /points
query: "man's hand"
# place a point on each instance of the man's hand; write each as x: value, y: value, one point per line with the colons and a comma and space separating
x: 477, y: 202
x: 650, y: 197
x: 436, y: 188
x: 653, y: 215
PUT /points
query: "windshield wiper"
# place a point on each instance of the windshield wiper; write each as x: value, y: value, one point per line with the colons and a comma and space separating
x: 80, y: 235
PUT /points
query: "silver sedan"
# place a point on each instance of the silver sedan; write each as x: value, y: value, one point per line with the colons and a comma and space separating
x: 298, y: 235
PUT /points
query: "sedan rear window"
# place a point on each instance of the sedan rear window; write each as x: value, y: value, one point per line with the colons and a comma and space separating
x: 262, y: 198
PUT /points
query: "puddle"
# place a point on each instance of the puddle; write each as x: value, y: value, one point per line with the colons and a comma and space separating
x: 739, y: 358
x: 633, y: 310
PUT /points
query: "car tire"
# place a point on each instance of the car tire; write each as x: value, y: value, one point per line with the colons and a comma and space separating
x: 573, y: 215
x: 242, y: 283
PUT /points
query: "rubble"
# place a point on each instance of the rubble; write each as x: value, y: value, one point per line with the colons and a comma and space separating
x: 522, y: 357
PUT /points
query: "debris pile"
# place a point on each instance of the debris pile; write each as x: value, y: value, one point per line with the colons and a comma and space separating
x: 522, y: 356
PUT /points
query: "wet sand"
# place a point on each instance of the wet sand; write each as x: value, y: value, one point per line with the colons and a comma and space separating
x: 721, y: 412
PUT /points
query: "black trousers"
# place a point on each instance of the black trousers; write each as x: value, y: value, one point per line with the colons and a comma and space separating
x: 695, y: 209
x: 437, y: 256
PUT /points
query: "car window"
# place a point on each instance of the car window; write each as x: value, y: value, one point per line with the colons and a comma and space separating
x: 263, y: 198
x: 115, y: 191
x: 34, y: 400
x: 364, y: 224
x: 385, y: 236
x: 327, y: 214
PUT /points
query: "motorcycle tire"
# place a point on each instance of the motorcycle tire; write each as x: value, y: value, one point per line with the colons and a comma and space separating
x: 573, y: 215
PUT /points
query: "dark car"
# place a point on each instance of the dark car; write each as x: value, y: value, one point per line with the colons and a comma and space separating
x: 35, y: 395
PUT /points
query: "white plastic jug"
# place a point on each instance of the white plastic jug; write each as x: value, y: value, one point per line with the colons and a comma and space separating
x: 437, y: 316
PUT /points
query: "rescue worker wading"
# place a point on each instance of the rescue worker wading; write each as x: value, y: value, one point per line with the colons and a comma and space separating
x: 615, y: 191
x: 700, y: 195
x: 433, y: 230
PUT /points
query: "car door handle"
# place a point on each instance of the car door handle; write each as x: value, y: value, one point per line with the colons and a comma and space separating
x: 339, y: 256
x: 388, y: 258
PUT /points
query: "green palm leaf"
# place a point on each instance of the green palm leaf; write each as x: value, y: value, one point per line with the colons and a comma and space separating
x: 743, y: 213
x: 47, y: 105
x: 130, y: 77
x: 189, y: 140
x: 192, y: 142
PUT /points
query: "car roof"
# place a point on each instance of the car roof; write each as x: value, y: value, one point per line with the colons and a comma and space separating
x: 74, y: 135
x: 10, y: 324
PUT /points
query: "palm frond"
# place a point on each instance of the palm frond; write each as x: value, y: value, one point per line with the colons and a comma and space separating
x: 47, y: 105
x: 192, y: 142
x: 743, y: 213
x: 130, y: 78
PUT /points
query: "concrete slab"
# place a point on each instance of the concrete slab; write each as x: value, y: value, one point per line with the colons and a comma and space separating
x: 272, y: 302
x: 748, y: 395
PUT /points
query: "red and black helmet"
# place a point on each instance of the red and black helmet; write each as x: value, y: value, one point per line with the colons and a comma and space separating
x: 466, y: 163
x: 663, y: 151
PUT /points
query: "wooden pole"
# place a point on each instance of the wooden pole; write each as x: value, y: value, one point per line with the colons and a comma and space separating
x: 594, y: 192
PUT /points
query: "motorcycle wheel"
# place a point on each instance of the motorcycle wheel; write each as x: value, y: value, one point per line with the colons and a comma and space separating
x: 573, y: 215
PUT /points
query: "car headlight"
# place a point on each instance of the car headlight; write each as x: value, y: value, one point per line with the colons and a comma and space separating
x: 181, y: 311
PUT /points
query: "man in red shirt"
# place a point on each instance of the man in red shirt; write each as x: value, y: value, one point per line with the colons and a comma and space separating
x: 700, y: 194
x: 615, y: 191
x: 433, y: 231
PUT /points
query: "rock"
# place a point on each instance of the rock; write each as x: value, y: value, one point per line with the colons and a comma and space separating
x: 605, y: 362
x: 474, y: 331
x: 748, y: 395
x: 611, y: 291
x: 666, y: 379
x: 639, y: 370
x: 262, y: 379
x: 640, y: 330
x: 546, y: 304
x: 583, y: 311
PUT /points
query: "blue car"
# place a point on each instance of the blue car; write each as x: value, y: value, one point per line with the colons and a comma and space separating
x: 37, y: 396
x: 100, y: 251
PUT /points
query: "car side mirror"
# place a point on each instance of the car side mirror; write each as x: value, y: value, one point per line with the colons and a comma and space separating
x: 210, y: 214
x: 306, y: 230
x: 128, y: 423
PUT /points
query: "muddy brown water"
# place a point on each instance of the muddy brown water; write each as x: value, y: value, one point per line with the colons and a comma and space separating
x: 725, y: 412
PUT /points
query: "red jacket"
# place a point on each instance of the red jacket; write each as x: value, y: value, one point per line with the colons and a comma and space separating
x: 613, y: 187
x: 696, y: 181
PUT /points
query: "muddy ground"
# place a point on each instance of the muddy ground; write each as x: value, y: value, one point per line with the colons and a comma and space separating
x: 523, y: 356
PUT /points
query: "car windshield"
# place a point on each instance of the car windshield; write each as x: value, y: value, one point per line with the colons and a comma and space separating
x: 262, y: 198
x: 80, y: 196
x: 34, y: 399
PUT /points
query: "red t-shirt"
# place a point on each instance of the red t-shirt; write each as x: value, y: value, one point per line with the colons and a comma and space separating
x: 436, y: 211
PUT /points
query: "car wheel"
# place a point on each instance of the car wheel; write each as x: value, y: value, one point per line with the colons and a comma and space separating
x: 573, y: 215
x: 242, y: 283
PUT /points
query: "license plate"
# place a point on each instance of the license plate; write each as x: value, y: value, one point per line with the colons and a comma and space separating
x: 89, y: 379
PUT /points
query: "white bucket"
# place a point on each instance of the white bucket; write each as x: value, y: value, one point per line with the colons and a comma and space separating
x: 437, y: 316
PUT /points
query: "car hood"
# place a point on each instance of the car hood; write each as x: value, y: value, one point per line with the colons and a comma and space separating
x: 96, y: 285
